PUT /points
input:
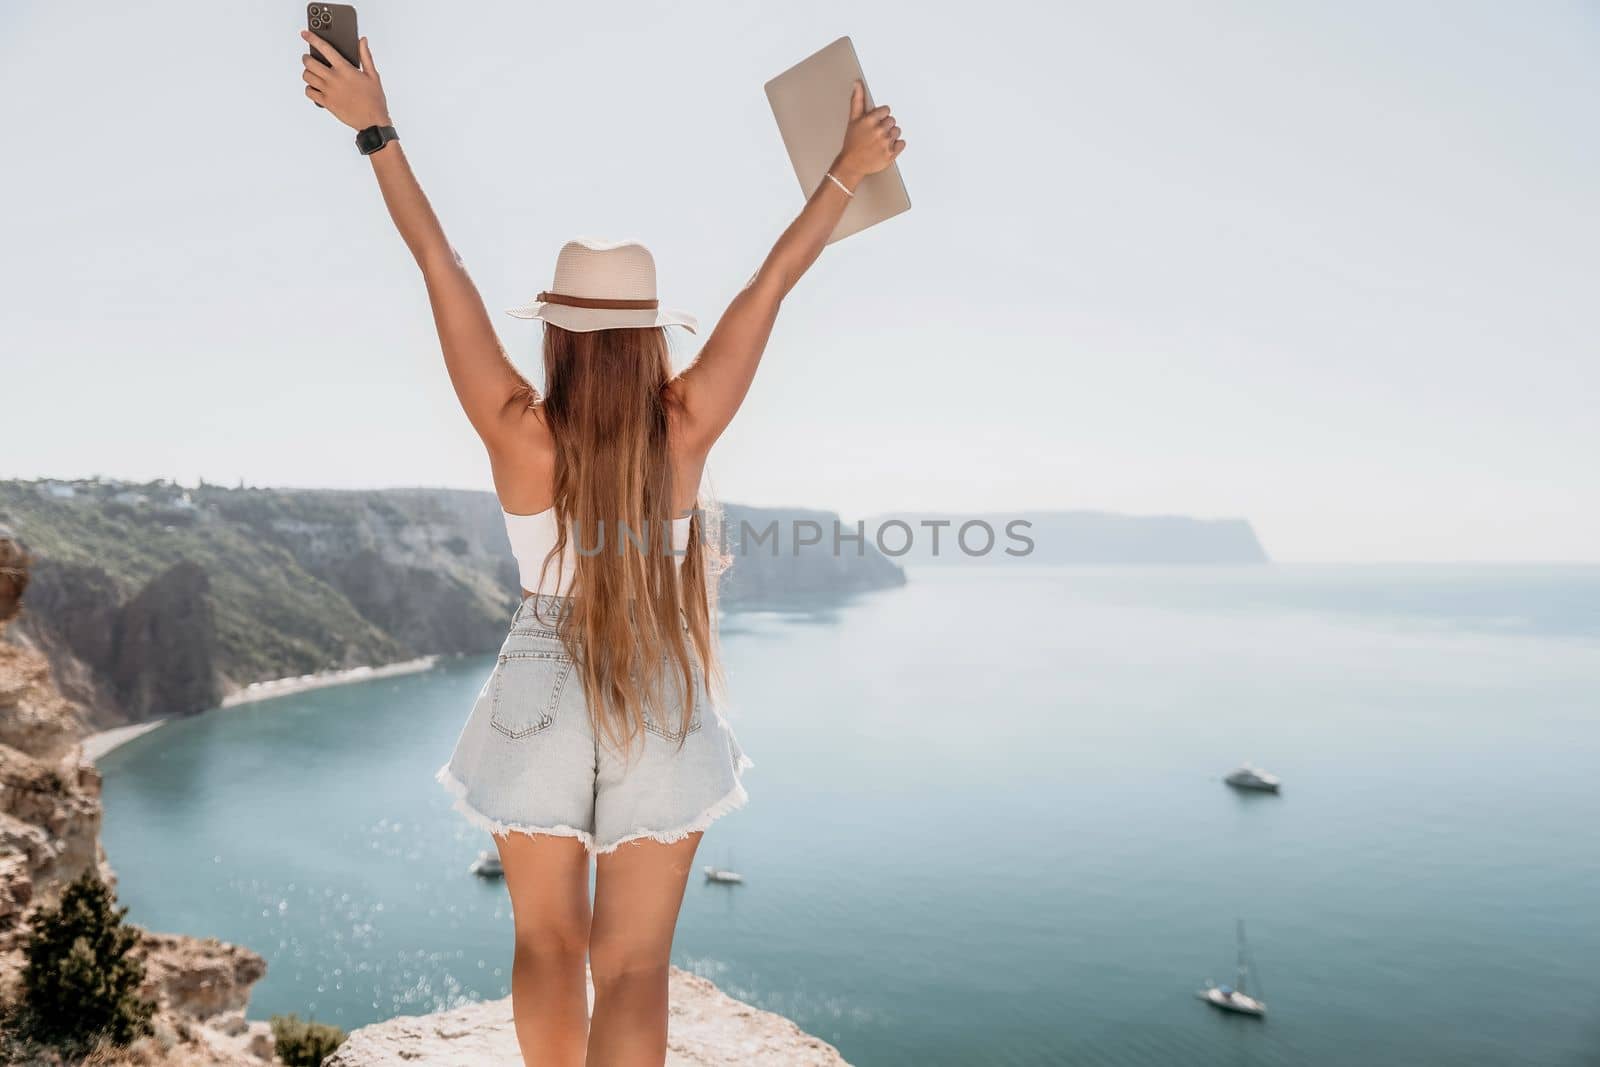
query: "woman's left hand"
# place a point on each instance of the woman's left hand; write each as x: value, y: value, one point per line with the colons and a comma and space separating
x: 354, y: 95
x: 871, y: 140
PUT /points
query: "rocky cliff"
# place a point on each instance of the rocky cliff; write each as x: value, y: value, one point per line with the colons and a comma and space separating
x: 153, y: 600
x: 50, y: 835
x: 705, y: 1027
x: 49, y: 800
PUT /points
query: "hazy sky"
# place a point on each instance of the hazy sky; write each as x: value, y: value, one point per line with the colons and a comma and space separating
x: 1329, y: 267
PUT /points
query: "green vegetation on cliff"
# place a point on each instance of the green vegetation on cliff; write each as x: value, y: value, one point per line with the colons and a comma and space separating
x: 304, y: 1043
x: 273, y: 616
x: 81, y: 983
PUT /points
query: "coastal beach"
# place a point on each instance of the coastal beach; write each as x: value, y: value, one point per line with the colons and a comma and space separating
x: 99, y: 744
x: 282, y: 687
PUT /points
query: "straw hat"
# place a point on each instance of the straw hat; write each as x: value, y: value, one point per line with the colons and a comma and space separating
x: 603, y: 285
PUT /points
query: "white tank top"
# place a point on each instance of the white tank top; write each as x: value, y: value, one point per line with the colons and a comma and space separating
x: 533, y: 536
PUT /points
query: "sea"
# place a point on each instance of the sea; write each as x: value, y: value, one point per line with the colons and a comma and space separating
x: 988, y: 824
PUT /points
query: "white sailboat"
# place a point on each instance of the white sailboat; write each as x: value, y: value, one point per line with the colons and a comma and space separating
x: 487, y: 865
x: 1234, y: 998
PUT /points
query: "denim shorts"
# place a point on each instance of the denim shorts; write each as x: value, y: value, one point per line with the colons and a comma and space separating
x: 528, y: 761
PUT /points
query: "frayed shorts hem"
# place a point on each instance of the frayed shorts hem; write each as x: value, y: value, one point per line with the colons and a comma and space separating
x: 458, y: 790
x: 732, y: 801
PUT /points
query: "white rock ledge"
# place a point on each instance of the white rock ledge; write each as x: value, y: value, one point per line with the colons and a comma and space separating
x: 705, y: 1027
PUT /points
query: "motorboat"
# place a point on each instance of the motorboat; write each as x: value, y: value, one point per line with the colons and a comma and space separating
x: 1253, y: 779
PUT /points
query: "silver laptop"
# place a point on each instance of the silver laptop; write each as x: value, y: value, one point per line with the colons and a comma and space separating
x: 811, y: 101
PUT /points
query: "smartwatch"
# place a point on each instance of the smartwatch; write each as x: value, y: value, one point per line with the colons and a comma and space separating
x: 373, y: 138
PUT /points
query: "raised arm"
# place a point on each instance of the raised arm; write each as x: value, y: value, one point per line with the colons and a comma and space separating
x: 491, y: 391
x: 710, y: 390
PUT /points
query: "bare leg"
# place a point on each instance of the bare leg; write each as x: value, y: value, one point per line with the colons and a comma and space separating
x: 548, y: 878
x: 638, y: 891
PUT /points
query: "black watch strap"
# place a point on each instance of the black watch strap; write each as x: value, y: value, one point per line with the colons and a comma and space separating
x: 373, y: 138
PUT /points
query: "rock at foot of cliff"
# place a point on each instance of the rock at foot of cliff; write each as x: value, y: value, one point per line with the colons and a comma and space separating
x: 705, y: 1027
x: 201, y: 987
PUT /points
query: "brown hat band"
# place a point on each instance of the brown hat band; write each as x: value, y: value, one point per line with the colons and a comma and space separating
x: 585, y: 302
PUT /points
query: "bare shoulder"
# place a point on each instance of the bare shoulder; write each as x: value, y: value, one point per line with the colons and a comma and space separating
x: 522, y: 458
x: 520, y: 423
x: 690, y: 434
x: 687, y: 445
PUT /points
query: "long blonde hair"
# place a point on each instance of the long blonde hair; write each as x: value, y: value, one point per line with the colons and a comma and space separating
x: 608, y: 407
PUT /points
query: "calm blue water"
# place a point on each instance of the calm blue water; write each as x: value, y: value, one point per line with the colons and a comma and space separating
x: 987, y: 826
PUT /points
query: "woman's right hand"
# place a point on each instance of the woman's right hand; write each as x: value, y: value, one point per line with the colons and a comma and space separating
x: 871, y: 141
x: 353, y: 95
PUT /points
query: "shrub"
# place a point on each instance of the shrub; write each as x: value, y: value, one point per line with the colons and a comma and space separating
x: 81, y: 980
x: 304, y: 1044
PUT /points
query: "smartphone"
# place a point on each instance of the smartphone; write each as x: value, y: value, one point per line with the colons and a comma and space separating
x: 335, y: 24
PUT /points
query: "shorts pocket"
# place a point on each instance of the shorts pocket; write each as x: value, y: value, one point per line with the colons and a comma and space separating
x: 671, y: 730
x: 527, y: 690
